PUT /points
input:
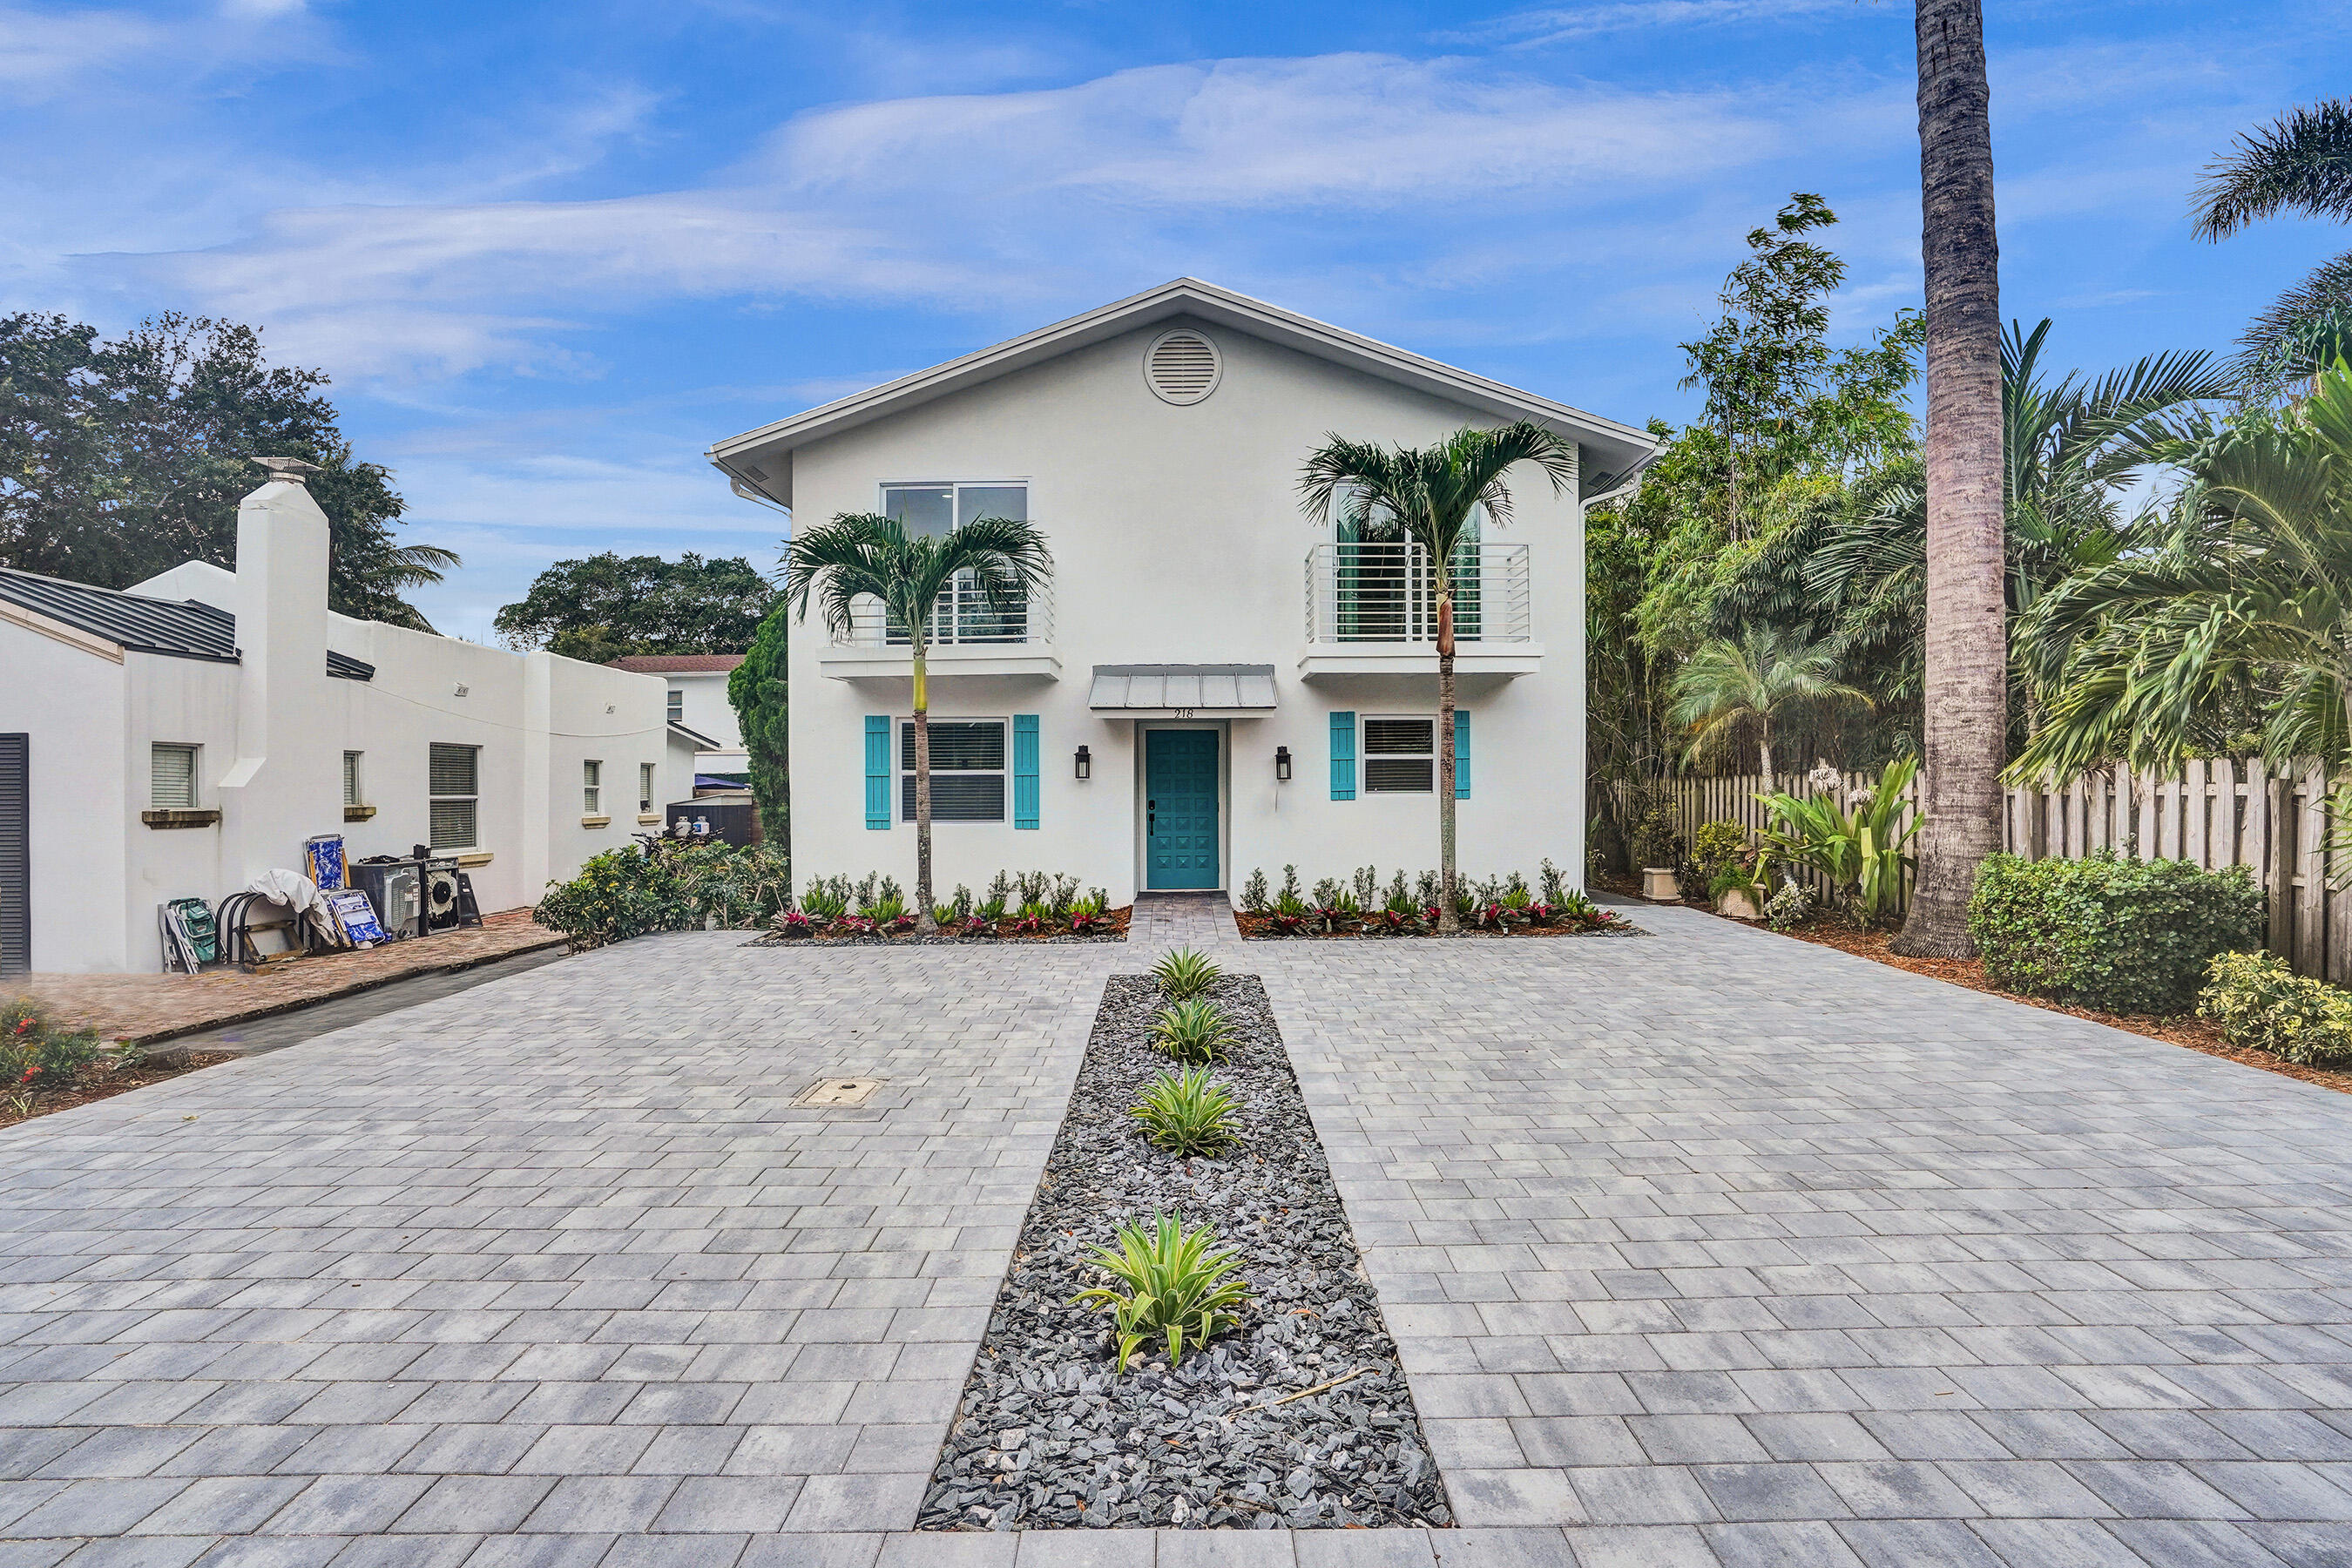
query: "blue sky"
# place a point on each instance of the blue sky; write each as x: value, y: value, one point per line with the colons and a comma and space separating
x: 550, y: 251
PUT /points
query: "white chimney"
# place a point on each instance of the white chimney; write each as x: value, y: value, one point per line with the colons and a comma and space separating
x: 270, y: 800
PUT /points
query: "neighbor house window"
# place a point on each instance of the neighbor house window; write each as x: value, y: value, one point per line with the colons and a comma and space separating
x: 676, y: 706
x: 967, y: 770
x: 592, y: 787
x: 353, y: 793
x: 171, y: 780
x: 454, y: 781
x: 644, y: 786
x: 1399, y: 756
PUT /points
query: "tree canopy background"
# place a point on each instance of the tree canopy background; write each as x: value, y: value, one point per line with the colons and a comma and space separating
x: 605, y: 607
x: 123, y: 458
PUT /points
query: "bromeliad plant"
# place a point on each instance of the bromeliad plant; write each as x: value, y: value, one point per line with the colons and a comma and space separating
x: 1185, y: 973
x: 1194, y: 1031
x: 1187, y: 1113
x: 1168, y: 1283
x: 1859, y: 852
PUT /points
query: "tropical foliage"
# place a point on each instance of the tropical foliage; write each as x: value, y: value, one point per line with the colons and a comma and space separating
x: 665, y: 885
x: 1859, y: 848
x: 758, y: 691
x: 1752, y: 680
x: 1170, y: 1283
x: 1187, y: 1113
x: 2300, y: 163
x: 2260, y: 1002
x: 605, y: 607
x: 1185, y: 973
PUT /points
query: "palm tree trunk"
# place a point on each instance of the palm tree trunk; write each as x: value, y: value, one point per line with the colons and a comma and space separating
x: 1764, y: 755
x: 926, y: 923
x: 1449, y: 917
x: 1967, y: 644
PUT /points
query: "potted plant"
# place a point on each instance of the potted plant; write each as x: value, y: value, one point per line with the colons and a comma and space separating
x: 1657, y: 845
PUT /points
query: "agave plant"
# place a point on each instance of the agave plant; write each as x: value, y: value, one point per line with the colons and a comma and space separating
x: 1186, y: 1113
x: 1185, y: 973
x: 1194, y: 1031
x: 1859, y: 852
x: 1169, y: 1282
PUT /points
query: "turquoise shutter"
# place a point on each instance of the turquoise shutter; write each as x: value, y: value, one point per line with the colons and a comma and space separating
x: 1461, y: 753
x: 877, y: 771
x: 1024, y: 770
x: 1343, y: 756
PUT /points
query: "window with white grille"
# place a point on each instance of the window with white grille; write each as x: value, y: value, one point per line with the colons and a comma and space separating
x: 172, y: 777
x: 592, y: 788
x: 1182, y: 366
x: 1400, y: 755
x: 967, y: 770
x: 676, y: 706
x: 353, y: 795
x: 454, y: 779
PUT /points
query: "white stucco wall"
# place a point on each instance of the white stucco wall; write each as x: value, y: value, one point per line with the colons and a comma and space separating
x: 706, y: 711
x: 99, y: 872
x: 1177, y: 539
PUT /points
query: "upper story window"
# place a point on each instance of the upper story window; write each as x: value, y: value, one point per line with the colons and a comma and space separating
x: 354, y: 791
x: 592, y: 787
x: 676, y: 706
x: 935, y: 507
x: 172, y: 777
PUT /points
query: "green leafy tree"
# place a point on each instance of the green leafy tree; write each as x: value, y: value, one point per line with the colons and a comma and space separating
x: 758, y: 689
x: 2300, y: 162
x: 123, y: 458
x: 1426, y: 495
x: 1753, y: 681
x: 864, y: 554
x: 608, y: 606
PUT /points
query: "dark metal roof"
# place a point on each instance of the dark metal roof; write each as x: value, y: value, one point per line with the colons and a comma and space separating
x: 184, y: 628
x: 695, y: 738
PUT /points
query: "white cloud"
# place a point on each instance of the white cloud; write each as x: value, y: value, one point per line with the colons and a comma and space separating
x: 1560, y: 24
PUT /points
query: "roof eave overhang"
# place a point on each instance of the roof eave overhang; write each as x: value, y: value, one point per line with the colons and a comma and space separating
x: 761, y: 460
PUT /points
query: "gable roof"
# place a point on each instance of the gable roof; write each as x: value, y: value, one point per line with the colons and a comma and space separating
x: 678, y: 663
x: 758, y: 462
x: 184, y: 628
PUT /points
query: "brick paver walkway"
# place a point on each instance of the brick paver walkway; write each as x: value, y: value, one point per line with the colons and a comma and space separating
x: 1702, y: 1247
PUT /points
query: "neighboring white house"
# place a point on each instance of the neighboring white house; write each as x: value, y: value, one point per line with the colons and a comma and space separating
x: 706, y: 738
x: 1132, y: 726
x: 179, y: 739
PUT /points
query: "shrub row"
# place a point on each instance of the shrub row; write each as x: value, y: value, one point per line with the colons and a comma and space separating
x: 2107, y: 934
x: 2260, y: 1002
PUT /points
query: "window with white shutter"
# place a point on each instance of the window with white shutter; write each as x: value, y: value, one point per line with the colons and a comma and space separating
x: 353, y: 793
x: 172, y: 777
x: 453, y: 780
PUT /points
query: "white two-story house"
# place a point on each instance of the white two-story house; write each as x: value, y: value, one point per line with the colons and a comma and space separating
x: 1215, y: 683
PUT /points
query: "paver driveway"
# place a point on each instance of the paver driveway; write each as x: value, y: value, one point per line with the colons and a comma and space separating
x: 1708, y: 1246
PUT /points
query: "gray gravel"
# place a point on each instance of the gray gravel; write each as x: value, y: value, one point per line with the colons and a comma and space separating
x: 1048, y: 1435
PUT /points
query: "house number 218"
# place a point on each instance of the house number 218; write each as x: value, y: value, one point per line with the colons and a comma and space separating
x: 1183, y: 712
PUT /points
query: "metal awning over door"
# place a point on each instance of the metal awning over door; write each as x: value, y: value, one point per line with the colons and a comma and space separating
x: 1182, y: 690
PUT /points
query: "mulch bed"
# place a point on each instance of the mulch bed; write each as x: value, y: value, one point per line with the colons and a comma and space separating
x: 96, y: 1083
x: 2196, y: 1033
x: 1260, y: 928
x: 1048, y: 1435
x: 1113, y: 929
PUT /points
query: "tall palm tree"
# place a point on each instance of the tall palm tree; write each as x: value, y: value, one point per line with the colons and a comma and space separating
x: 2245, y: 609
x: 1967, y: 684
x: 1755, y: 677
x: 2300, y: 162
x: 1427, y: 495
x: 861, y: 554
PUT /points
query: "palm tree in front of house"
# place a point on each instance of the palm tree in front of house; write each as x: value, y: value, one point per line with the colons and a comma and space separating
x: 1755, y: 679
x: 1967, y: 642
x: 861, y: 555
x: 1430, y: 496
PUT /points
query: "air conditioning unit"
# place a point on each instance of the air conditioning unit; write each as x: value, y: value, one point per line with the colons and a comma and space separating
x: 396, y: 889
x: 441, y: 901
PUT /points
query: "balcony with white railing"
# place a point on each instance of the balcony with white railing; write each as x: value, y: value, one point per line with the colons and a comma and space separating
x: 965, y: 635
x: 1372, y: 610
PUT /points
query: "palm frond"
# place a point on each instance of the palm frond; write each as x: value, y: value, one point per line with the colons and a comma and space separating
x: 2300, y: 162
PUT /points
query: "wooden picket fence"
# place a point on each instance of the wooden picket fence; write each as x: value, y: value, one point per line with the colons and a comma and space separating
x: 2214, y: 812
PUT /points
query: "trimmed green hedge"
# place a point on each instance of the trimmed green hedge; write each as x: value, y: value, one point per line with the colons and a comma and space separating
x: 2120, y: 936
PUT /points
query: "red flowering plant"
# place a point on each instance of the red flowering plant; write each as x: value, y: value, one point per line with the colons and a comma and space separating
x: 1029, y: 925
x: 35, y: 1053
x: 856, y: 925
x: 902, y: 922
x: 792, y: 922
x: 975, y: 925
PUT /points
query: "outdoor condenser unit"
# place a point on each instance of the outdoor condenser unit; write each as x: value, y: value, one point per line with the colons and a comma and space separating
x: 440, y: 894
x: 396, y: 889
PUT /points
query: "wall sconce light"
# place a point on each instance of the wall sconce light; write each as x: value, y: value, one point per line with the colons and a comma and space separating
x: 1085, y: 760
x: 1282, y: 764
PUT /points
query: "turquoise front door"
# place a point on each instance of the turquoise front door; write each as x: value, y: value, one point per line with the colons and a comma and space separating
x: 1179, y: 796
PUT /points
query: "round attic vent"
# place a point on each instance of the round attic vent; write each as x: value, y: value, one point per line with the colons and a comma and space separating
x: 1182, y: 366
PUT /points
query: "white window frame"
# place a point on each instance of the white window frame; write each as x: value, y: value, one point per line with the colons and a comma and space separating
x: 674, y: 707
x: 475, y: 799
x: 957, y: 487
x: 1364, y: 722
x: 903, y: 772
x: 356, y: 778
x: 592, y: 785
x: 646, y: 787
x: 195, y: 755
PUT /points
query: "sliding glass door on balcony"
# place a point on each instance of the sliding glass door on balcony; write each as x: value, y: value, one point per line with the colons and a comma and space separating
x: 1385, y: 592
x: 963, y: 613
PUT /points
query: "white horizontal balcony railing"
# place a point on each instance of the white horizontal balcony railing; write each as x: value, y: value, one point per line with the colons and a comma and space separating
x: 1382, y: 593
x: 963, y: 617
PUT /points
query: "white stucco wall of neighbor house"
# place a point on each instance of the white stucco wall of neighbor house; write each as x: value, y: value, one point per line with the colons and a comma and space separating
x: 705, y: 708
x: 271, y: 731
x: 1178, y: 538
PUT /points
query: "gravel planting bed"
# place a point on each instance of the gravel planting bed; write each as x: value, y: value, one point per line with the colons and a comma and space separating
x: 1048, y: 1435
